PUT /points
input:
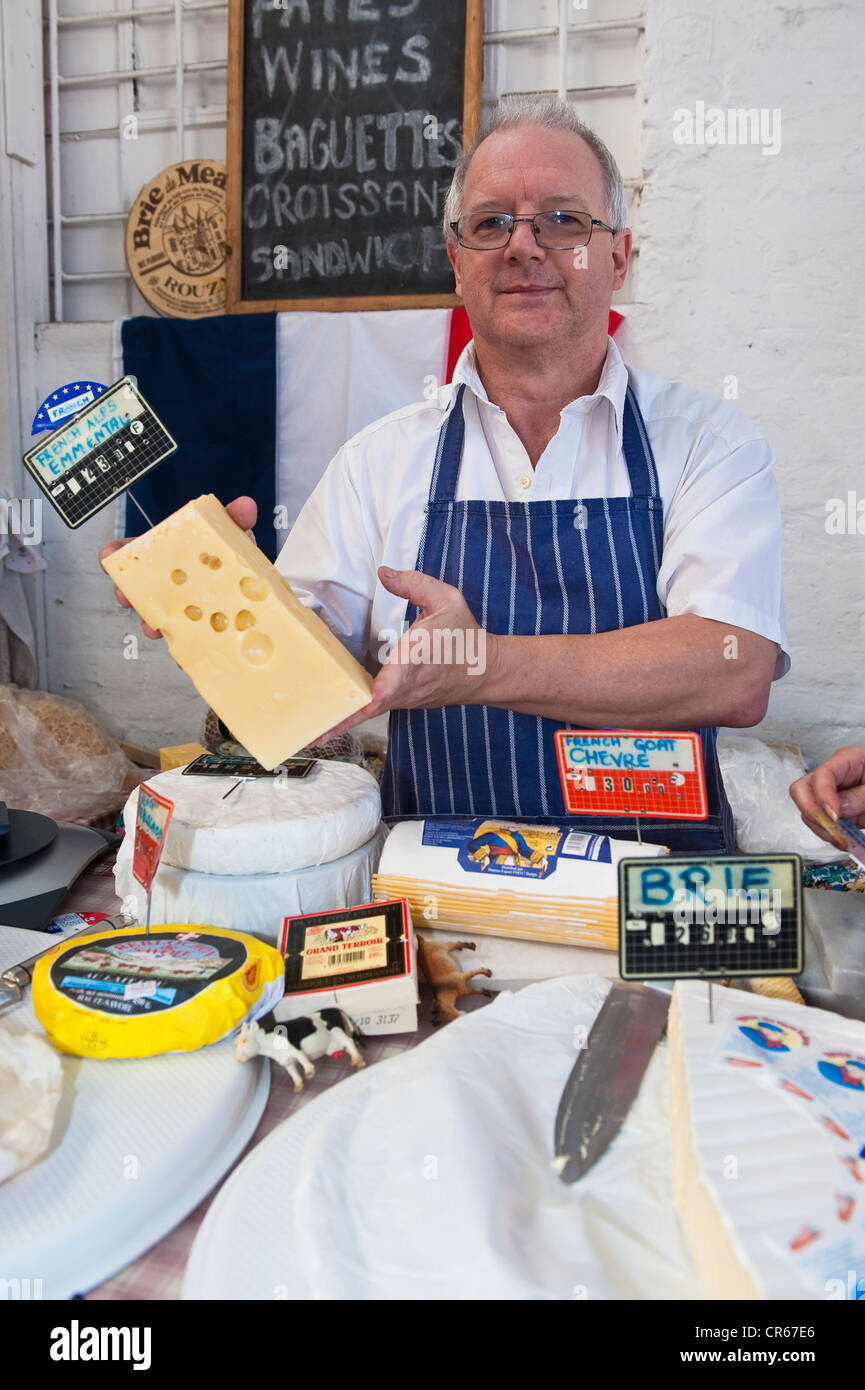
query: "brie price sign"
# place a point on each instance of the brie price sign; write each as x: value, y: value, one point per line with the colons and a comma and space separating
x: 632, y: 773
x: 715, y: 916
x: 151, y: 827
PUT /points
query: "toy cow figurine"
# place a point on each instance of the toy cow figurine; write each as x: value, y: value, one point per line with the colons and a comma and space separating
x: 294, y: 1043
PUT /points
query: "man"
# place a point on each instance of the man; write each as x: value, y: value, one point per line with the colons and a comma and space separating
x: 607, y: 544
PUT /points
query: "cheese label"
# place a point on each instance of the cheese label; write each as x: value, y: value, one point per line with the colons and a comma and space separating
x: 633, y: 773
x: 352, y: 946
x: 719, y: 915
x: 130, y: 975
x: 345, y: 948
x: 151, y: 828
x: 246, y: 769
x: 513, y: 850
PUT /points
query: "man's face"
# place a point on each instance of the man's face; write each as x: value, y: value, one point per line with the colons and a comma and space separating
x: 523, y: 295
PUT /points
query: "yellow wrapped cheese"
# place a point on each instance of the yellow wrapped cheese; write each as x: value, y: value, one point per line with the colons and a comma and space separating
x: 126, y: 994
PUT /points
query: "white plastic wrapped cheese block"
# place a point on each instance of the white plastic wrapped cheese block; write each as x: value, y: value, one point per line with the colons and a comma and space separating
x: 267, y: 825
x: 768, y: 1118
x: 535, y: 882
x: 255, y: 903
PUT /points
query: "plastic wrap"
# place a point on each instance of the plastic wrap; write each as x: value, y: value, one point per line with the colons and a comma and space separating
x: 54, y: 758
x: 31, y: 1078
x: 757, y: 780
x: 431, y: 1178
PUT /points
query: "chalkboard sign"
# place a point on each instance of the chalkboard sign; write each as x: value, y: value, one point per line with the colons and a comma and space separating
x: 345, y: 121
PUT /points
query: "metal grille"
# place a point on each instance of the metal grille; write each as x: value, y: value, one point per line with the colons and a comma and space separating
x: 534, y: 57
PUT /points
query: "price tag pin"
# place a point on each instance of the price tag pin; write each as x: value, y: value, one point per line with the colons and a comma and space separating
x: 134, y: 499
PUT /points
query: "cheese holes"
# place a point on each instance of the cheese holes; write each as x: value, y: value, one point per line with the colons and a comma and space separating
x: 212, y: 561
x: 218, y: 622
x: 256, y: 648
x: 178, y: 576
x: 193, y: 612
x: 256, y: 589
x: 244, y: 620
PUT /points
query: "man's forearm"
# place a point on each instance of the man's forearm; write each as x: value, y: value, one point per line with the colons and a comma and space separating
x: 676, y: 673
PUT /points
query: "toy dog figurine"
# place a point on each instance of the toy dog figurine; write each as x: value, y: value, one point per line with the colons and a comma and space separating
x: 449, y: 983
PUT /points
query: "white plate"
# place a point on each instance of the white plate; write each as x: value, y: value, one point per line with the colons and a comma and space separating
x: 136, y: 1146
x: 429, y: 1176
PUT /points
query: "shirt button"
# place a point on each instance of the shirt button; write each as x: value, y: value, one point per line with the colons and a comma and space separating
x: 525, y: 481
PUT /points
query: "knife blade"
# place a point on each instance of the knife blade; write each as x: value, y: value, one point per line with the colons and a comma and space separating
x: 607, y: 1075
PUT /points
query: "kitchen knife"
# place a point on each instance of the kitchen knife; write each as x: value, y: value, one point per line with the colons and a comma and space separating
x: 607, y: 1075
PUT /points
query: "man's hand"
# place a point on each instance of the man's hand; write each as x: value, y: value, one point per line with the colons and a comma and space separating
x: 242, y: 510
x: 835, y: 788
x: 441, y: 660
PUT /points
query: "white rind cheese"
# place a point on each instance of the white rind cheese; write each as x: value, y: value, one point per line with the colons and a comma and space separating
x: 767, y: 1144
x: 266, y: 825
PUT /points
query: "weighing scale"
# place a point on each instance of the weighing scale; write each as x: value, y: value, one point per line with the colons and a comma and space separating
x: 40, y: 859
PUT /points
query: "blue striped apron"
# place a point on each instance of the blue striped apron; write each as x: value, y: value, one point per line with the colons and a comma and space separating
x: 581, y: 565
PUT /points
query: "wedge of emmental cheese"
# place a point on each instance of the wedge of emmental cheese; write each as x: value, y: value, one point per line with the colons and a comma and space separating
x: 269, y: 667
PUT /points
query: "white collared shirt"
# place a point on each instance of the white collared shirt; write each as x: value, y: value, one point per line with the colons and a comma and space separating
x: 722, y: 519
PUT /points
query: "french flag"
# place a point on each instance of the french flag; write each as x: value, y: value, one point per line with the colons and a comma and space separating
x: 260, y: 403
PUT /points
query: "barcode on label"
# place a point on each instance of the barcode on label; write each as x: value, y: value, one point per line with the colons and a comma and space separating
x: 348, y: 958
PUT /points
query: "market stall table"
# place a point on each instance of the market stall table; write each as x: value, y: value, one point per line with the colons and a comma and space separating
x: 158, y: 1274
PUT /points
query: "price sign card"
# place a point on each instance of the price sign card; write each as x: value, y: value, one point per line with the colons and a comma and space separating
x: 151, y: 827
x: 245, y: 769
x: 717, y: 916
x: 633, y: 773
x: 99, y: 453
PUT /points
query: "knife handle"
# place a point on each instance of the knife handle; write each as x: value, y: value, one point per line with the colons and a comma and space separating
x: 16, y: 978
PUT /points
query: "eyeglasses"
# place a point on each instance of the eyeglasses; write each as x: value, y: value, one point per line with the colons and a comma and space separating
x: 554, y: 231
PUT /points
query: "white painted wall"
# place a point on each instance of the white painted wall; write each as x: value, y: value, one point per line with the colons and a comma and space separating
x: 749, y: 268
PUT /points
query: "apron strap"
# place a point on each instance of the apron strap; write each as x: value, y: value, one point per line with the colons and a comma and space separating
x: 637, y: 450
x: 449, y: 452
